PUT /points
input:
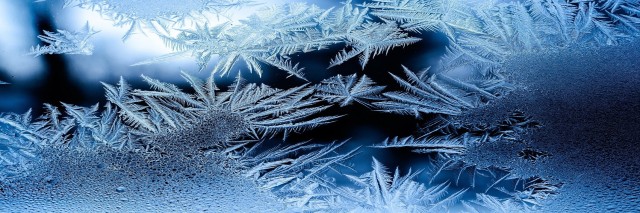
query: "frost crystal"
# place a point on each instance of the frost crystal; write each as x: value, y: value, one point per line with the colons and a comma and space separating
x: 434, y: 93
x: 442, y: 145
x: 273, y: 35
x: 157, y: 16
x: 148, y: 134
x: 377, y: 191
x: 348, y: 89
x: 132, y: 117
x: 65, y: 42
x: 19, y: 142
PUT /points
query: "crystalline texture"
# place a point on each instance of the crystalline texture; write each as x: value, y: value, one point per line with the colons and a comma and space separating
x: 65, y: 42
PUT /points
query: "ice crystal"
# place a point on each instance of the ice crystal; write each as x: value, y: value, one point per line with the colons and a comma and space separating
x: 158, y: 16
x: 431, y: 145
x: 273, y: 35
x: 134, y: 116
x: 378, y: 191
x: 65, y: 42
x: 427, y: 93
x: 348, y: 89
x: 167, y: 130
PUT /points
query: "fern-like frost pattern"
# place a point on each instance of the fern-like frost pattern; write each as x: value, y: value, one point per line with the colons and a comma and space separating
x: 246, y: 128
x: 65, y: 42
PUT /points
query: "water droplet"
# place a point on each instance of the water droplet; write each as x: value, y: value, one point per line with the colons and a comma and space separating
x: 121, y: 189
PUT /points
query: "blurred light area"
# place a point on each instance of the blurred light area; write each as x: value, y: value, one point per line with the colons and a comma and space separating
x: 17, y: 37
